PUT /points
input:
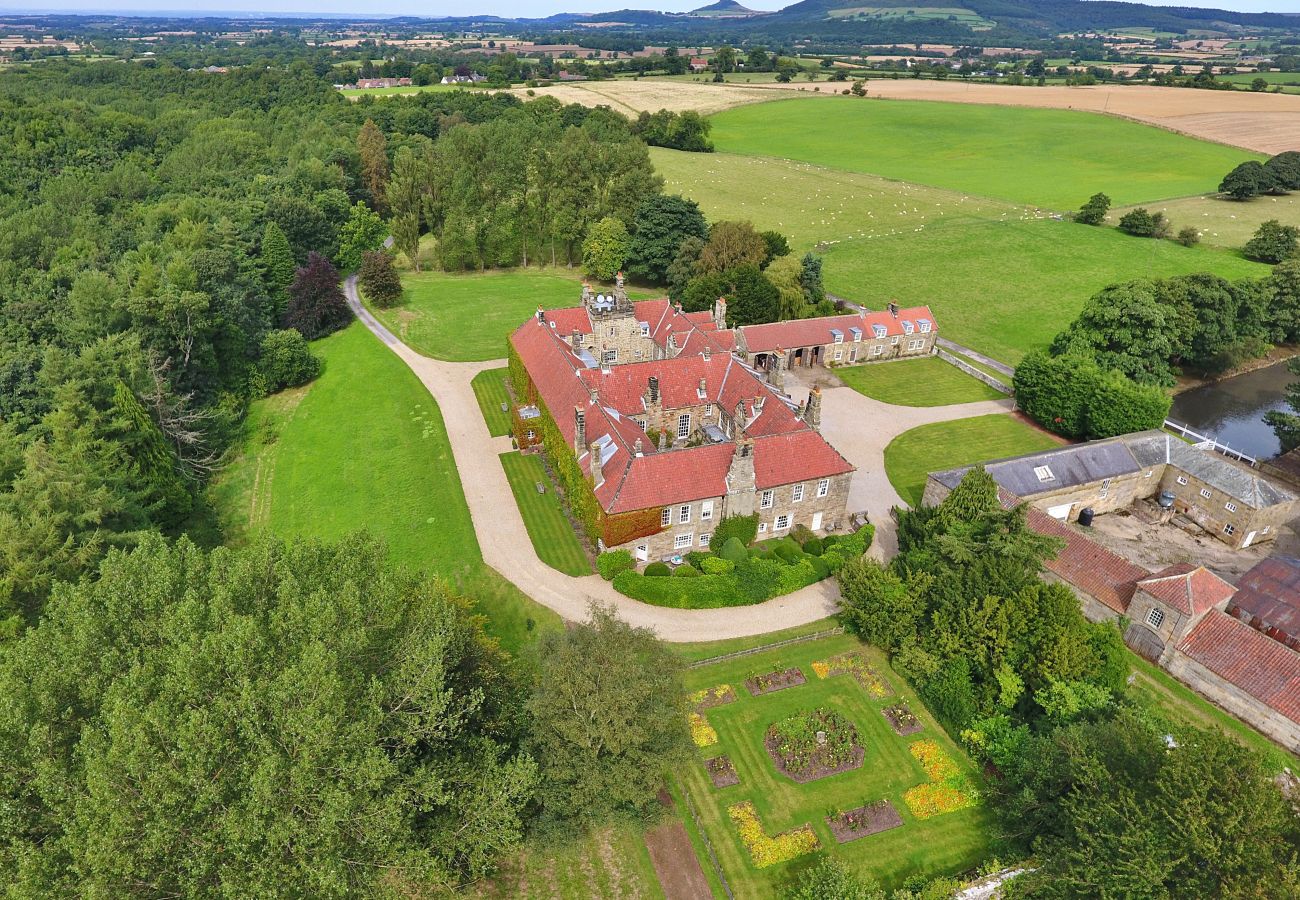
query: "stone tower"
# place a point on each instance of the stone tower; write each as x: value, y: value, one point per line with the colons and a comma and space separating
x: 741, y: 483
x: 812, y: 411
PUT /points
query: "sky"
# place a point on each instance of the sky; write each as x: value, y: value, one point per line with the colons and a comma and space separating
x: 504, y: 8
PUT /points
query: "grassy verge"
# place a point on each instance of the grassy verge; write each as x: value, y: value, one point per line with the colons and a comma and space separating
x: 708, y: 649
x: 390, y: 471
x: 490, y: 391
x: 613, y: 862
x: 548, y: 529
x: 945, y: 844
x: 916, y: 382
x: 1156, y: 688
x: 1047, y: 157
x: 467, y: 317
x: 944, y: 445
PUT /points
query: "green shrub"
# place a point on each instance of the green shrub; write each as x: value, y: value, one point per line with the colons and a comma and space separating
x: 788, y: 551
x: 759, y: 579
x: 802, y: 534
x: 833, y: 560
x: 703, y: 592
x: 715, y: 565
x: 686, y: 570
x: 733, y: 550
x: 612, y: 562
x: 820, y: 566
x: 813, y: 546
x: 657, y: 570
x: 286, y: 360
x: 742, y: 528
x: 697, y: 558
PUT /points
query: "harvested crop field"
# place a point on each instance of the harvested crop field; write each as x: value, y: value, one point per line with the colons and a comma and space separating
x: 631, y: 97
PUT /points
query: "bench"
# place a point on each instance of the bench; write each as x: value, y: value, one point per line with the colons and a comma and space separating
x: 541, y: 488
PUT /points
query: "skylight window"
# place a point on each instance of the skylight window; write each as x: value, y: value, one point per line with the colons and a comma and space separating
x: 1044, y: 473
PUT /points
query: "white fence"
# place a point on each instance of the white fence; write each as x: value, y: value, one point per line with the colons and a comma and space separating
x: 1205, y: 442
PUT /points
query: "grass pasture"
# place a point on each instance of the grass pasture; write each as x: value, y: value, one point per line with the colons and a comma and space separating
x: 1045, y: 157
x: 548, y: 529
x: 467, y: 317
x: 390, y: 470
x: 916, y: 382
x: 490, y: 391
x: 1223, y: 223
x: 408, y: 90
x: 945, y: 445
x: 945, y: 844
x: 612, y: 862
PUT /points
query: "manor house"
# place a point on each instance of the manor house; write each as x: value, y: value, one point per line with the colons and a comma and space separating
x: 677, y: 423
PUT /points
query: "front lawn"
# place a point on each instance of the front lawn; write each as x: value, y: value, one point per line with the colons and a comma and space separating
x: 553, y: 537
x: 916, y: 382
x: 490, y: 391
x: 365, y: 446
x: 778, y: 813
x: 944, y: 445
x: 467, y: 317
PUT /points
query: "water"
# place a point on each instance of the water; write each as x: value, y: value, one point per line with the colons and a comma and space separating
x: 1232, y: 409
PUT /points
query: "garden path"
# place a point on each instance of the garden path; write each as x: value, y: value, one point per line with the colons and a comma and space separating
x: 506, y: 547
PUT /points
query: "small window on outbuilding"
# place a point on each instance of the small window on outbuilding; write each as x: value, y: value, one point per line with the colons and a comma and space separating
x: 1156, y: 617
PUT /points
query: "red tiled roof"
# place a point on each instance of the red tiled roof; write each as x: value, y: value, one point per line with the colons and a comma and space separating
x: 1106, y: 576
x: 1239, y: 654
x: 662, y: 479
x: 814, y: 332
x: 1188, y: 588
x: 796, y: 456
x: 624, y: 387
x: 568, y: 320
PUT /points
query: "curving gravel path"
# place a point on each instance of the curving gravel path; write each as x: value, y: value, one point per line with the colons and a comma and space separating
x: 506, y: 547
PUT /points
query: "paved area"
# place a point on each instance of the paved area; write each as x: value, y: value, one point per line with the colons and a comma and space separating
x: 861, y: 428
x: 858, y: 426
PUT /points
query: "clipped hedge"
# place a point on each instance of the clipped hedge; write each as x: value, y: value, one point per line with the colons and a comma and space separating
x: 612, y: 562
x: 686, y: 571
x: 655, y: 570
x: 703, y: 592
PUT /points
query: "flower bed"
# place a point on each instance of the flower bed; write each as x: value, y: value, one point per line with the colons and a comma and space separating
x: 702, y: 732
x: 711, y: 697
x: 721, y: 772
x: 769, y: 851
x: 854, y: 664
x: 902, y: 719
x: 947, y: 790
x: 812, y: 745
x: 771, y: 682
x: 858, y: 823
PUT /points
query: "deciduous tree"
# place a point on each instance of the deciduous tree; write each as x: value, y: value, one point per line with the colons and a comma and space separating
x: 606, y: 248
x: 316, y: 303
x: 1273, y: 242
x: 372, y: 148
x: 378, y: 278
x: 659, y: 227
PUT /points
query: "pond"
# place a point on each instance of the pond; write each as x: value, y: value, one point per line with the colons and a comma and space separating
x: 1232, y: 409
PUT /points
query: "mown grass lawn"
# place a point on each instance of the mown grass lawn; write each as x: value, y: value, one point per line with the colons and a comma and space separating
x: 945, y: 844
x: 364, y: 446
x: 945, y: 445
x: 467, y: 317
x: 552, y: 535
x: 1046, y: 157
x: 490, y: 391
x: 916, y: 382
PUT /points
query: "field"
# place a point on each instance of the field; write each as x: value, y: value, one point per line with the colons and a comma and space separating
x: 613, y: 862
x: 553, y: 537
x: 651, y: 94
x: 358, y: 93
x: 490, y: 391
x: 944, y: 844
x: 1225, y: 223
x: 999, y: 277
x: 467, y: 318
x: 1051, y: 158
x: 961, y: 16
x: 916, y: 382
x: 390, y: 470
x: 945, y: 445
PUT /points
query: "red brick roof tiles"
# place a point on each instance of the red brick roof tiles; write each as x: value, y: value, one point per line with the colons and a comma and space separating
x: 1106, y: 576
x: 677, y: 476
x: 815, y: 332
x: 797, y: 456
x: 1268, y: 596
x: 1252, y: 661
x: 1188, y: 588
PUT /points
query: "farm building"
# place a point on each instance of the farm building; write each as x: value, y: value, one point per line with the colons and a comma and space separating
x: 839, y: 340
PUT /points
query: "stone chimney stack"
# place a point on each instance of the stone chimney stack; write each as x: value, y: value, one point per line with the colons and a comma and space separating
x: 663, y: 440
x: 653, y: 390
x: 893, y: 309
x: 776, y: 370
x: 703, y: 390
x: 812, y: 413
x: 741, y: 482
x: 579, y: 430
x: 636, y: 448
x: 707, y: 352
x: 720, y: 312
x: 597, y: 467
x: 541, y: 316
x: 576, y: 339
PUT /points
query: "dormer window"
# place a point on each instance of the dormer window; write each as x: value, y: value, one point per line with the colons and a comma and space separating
x: 924, y: 325
x: 837, y: 336
x: 908, y: 327
x: 857, y: 335
x: 878, y: 330
x: 645, y: 329
x: 1044, y: 473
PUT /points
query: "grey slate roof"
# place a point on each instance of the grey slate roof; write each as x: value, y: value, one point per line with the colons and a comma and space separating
x: 1152, y: 448
x: 1071, y: 466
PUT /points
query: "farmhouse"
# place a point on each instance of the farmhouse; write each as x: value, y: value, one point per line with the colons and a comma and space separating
x: 658, y: 430
x: 698, y: 64
x: 370, y: 84
x: 1202, y: 630
x: 1227, y: 500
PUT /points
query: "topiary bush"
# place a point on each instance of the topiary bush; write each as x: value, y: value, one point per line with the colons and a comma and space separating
x: 697, y: 558
x: 788, y: 551
x: 612, y: 562
x: 813, y: 546
x: 657, y: 570
x: 733, y: 550
x: 820, y: 566
x: 716, y: 565
x: 702, y: 592
x: 686, y: 570
x: 742, y: 528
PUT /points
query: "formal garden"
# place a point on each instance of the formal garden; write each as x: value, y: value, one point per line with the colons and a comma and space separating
x: 819, y: 749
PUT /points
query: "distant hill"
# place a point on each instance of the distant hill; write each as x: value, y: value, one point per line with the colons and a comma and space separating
x: 724, y: 9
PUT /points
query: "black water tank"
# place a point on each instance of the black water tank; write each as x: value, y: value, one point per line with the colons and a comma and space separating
x: 1085, y: 516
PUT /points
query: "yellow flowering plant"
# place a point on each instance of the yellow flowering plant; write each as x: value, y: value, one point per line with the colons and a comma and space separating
x: 702, y: 733
x: 947, y: 789
x: 769, y: 851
